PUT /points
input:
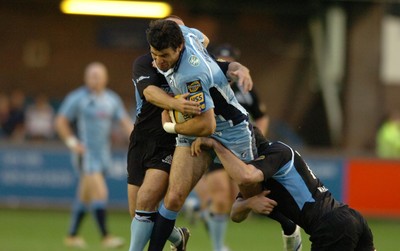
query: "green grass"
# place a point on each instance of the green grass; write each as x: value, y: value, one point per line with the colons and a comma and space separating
x: 44, y: 230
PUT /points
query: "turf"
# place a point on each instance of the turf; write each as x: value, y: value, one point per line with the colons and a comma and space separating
x: 43, y: 230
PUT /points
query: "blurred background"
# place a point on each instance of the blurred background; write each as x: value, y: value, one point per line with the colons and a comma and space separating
x: 327, y: 73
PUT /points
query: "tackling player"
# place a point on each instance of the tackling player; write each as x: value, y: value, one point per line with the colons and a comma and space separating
x: 217, y: 187
x: 280, y: 180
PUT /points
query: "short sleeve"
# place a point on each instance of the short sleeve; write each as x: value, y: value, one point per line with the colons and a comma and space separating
x: 144, y: 74
x: 70, y: 106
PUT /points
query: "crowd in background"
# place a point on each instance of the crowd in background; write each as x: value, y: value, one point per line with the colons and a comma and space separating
x: 25, y: 118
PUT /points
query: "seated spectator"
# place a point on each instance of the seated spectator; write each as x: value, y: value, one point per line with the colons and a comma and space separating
x: 14, y: 125
x: 4, y: 113
x: 39, y: 119
x: 388, y: 137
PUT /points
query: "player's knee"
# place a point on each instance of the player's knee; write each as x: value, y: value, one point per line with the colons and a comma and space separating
x: 222, y: 206
x: 174, y: 201
x: 147, y: 201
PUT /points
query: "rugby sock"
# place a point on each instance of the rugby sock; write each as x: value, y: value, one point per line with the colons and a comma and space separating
x: 287, y: 225
x: 78, y: 213
x: 99, y: 213
x: 217, y: 224
x: 162, y: 229
x: 141, y: 228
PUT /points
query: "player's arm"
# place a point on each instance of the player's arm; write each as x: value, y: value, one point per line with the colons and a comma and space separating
x: 160, y: 98
x: 65, y: 132
x: 241, y: 75
x: 237, y: 73
x: 126, y: 124
x: 202, y: 125
x: 240, y: 172
x: 258, y: 203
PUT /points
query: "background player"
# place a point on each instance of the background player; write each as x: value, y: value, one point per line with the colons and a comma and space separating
x: 93, y: 108
x: 294, y: 190
x: 188, y: 68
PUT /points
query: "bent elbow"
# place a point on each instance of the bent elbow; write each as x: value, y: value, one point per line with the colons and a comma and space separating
x: 236, y: 219
x: 245, y: 179
x: 208, y: 129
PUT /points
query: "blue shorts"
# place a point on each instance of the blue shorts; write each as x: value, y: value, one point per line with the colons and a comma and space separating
x: 239, y: 139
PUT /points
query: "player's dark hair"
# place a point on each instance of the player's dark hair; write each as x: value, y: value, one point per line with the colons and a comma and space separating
x: 163, y: 34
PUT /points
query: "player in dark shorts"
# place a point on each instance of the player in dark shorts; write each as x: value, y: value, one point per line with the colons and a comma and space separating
x: 150, y: 153
x: 293, y: 190
x: 151, y: 148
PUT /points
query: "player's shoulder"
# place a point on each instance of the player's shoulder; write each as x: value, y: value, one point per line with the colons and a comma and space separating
x: 278, y: 147
x: 78, y: 93
x: 143, y: 61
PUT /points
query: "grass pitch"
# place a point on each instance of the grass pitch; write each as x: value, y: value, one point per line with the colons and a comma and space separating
x: 44, y: 230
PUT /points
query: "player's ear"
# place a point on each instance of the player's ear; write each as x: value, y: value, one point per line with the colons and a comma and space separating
x: 180, y: 47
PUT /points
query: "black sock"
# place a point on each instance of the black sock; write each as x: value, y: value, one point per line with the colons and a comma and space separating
x: 99, y: 212
x: 287, y: 225
x: 161, y: 231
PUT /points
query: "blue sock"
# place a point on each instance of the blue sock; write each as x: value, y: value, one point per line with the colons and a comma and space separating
x: 217, y: 224
x: 162, y: 229
x: 141, y: 228
x: 78, y: 213
x: 99, y: 213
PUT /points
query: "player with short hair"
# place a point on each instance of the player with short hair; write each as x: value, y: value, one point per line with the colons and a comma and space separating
x: 93, y: 108
x: 280, y: 180
x: 180, y: 56
x: 151, y: 148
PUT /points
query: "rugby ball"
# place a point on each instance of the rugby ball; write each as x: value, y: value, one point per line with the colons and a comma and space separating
x: 178, y: 117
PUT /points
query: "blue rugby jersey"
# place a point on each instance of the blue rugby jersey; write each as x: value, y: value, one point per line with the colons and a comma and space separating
x: 94, y: 115
x: 197, y: 73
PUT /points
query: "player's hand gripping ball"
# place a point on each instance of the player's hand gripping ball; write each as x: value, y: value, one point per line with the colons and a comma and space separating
x: 177, y: 116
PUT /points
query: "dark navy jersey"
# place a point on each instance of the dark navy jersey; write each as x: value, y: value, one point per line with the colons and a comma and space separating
x: 148, y: 116
x: 300, y: 195
x: 248, y: 100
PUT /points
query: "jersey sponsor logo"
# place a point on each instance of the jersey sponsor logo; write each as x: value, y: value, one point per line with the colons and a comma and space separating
x: 198, y: 97
x: 194, y: 61
x: 196, y: 90
x: 194, y: 86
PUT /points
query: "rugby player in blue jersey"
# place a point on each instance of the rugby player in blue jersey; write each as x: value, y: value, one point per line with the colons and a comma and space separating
x: 151, y: 148
x: 279, y: 180
x: 180, y: 56
x: 93, y: 108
